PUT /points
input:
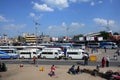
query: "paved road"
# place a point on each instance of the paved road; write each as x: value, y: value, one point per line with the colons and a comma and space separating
x: 57, y: 62
x: 99, y: 56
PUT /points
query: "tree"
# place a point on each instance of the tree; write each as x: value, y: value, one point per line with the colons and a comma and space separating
x: 21, y: 39
x: 76, y: 37
x: 115, y: 33
x: 105, y: 35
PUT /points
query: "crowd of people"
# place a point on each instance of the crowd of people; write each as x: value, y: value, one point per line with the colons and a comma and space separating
x: 74, y: 71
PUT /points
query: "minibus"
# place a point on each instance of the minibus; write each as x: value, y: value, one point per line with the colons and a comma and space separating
x: 28, y: 53
x: 75, y: 53
x: 51, y: 53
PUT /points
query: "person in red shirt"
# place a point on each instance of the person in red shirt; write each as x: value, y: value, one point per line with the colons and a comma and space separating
x: 52, y: 72
x: 103, y: 62
x: 34, y: 59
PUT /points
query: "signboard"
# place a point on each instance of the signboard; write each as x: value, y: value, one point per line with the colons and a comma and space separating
x: 81, y: 38
x: 100, y: 38
x: 90, y: 38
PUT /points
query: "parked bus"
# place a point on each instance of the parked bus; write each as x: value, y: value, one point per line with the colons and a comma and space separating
x: 108, y: 45
x: 11, y: 52
x: 75, y: 53
x: 28, y: 53
x: 4, y: 55
x: 93, y: 45
x: 51, y: 53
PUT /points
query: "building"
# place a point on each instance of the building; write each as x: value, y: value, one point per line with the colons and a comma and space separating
x: 30, y: 38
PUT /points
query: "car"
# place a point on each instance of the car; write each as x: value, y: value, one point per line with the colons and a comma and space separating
x: 4, y: 55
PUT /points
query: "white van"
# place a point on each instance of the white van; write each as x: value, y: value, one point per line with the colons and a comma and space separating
x: 75, y: 53
x: 28, y: 53
x: 51, y: 53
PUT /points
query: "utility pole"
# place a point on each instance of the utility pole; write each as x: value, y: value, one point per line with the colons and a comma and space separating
x: 36, y: 29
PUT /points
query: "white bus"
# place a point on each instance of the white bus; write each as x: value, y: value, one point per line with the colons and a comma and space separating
x: 11, y: 52
x: 51, y: 53
x: 75, y: 53
x: 28, y: 53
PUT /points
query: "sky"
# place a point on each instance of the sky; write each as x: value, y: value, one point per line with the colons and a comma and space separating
x: 58, y: 17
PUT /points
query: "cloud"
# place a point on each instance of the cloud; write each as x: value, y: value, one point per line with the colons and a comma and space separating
x: 100, y: 2
x: 13, y: 27
x: 42, y: 7
x: 104, y: 22
x: 107, y: 24
x: 76, y: 24
x: 60, y: 4
x: 3, y: 19
x: 92, y: 3
x: 64, y: 28
x: 34, y: 16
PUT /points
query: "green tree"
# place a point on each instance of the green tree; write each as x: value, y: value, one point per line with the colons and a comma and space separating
x: 21, y: 39
x: 76, y: 37
x: 115, y: 33
x: 105, y: 35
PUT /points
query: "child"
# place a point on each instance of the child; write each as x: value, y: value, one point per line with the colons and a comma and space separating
x: 52, y: 72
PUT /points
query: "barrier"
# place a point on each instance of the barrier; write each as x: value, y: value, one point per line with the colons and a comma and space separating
x: 93, y: 58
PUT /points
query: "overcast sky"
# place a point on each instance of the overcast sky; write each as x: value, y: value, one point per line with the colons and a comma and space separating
x: 59, y: 17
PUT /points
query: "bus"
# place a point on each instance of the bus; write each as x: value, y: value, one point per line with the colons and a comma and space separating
x: 28, y: 53
x: 11, y: 52
x: 75, y: 53
x: 54, y: 53
x: 93, y: 45
x: 108, y: 45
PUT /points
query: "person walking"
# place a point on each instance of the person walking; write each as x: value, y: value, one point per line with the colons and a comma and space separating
x: 107, y: 61
x: 103, y: 62
x: 85, y: 59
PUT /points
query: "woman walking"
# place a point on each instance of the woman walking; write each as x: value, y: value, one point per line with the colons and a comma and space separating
x: 103, y: 62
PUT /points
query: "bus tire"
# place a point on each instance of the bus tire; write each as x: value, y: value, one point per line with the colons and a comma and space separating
x: 44, y: 57
x: 22, y: 57
x: 70, y: 58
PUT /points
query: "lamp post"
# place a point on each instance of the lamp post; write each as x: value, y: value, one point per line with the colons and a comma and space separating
x: 36, y: 29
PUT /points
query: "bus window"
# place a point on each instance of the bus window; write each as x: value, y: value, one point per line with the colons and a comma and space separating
x: 56, y: 53
x: 34, y: 52
x: 49, y: 53
x: 72, y: 53
x: 25, y: 53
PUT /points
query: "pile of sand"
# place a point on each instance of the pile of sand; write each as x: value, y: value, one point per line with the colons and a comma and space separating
x: 31, y: 72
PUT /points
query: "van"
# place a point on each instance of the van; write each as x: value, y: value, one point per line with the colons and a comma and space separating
x: 28, y: 53
x: 51, y: 53
x: 75, y: 53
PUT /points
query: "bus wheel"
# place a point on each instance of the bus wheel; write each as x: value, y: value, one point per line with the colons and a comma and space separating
x: 44, y: 57
x: 55, y: 58
x: 70, y: 58
x: 23, y: 57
